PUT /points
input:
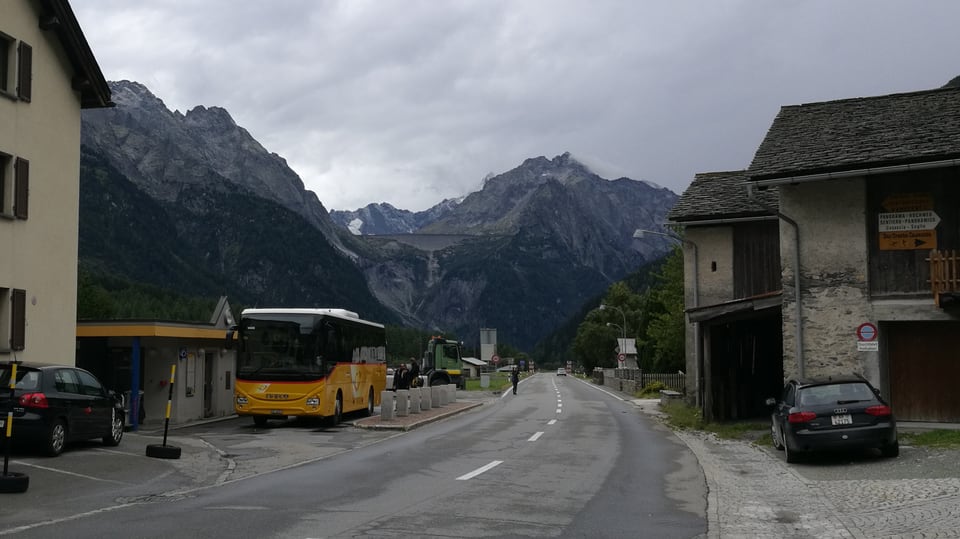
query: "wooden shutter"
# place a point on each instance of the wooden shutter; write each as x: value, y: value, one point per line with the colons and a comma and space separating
x: 18, y: 319
x: 25, y: 72
x: 21, y: 189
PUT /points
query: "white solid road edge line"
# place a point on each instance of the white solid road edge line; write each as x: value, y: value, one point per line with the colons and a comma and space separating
x: 480, y: 470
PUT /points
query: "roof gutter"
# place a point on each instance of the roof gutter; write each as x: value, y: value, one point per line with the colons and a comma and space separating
x: 790, y: 180
x: 726, y: 220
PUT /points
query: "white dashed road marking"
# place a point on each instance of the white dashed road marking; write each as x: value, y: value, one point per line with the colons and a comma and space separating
x: 480, y: 470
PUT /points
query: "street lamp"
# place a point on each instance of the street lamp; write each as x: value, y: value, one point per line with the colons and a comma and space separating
x: 623, y: 328
x: 623, y: 333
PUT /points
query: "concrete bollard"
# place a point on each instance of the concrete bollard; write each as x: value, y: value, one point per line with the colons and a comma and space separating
x: 415, y: 400
x: 444, y: 395
x: 453, y: 392
x: 403, y: 402
x: 425, y: 402
x: 435, y: 392
x: 387, y: 399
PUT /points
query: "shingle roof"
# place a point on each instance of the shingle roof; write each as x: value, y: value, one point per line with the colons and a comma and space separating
x: 860, y: 133
x: 720, y: 195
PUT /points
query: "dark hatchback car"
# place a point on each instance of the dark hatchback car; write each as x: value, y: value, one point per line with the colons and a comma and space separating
x: 832, y: 414
x: 57, y: 404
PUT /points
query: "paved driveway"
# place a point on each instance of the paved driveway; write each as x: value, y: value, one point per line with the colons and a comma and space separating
x: 753, y: 492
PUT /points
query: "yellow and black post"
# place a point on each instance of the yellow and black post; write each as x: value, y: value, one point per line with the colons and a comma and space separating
x: 11, y: 482
x: 166, y: 451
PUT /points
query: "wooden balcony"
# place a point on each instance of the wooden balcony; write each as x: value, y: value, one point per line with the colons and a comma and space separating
x: 945, y: 277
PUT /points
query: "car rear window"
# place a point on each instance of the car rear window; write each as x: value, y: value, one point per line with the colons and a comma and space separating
x: 26, y: 379
x: 834, y: 393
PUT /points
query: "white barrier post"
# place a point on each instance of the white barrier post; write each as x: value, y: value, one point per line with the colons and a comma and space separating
x: 415, y: 400
x: 387, y: 398
x: 435, y: 393
x: 425, y: 401
x: 444, y: 395
x: 403, y: 402
x: 453, y: 392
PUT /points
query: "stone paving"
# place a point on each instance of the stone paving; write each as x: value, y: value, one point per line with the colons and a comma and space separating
x: 753, y: 493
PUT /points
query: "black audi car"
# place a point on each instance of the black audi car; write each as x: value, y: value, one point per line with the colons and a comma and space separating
x: 832, y: 414
x: 57, y: 404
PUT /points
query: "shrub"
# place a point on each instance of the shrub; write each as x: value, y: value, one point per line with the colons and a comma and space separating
x: 652, y: 389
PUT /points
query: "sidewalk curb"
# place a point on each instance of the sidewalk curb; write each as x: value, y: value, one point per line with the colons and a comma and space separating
x: 401, y: 424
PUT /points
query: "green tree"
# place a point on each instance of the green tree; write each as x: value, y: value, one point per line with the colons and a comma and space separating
x: 665, y: 332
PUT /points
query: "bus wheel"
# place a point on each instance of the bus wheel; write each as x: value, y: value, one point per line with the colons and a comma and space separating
x: 370, y: 403
x: 260, y: 420
x: 337, y: 411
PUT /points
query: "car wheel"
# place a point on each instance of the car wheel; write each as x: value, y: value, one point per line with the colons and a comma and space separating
x: 370, y: 403
x: 777, y: 444
x: 891, y: 450
x: 56, y: 438
x: 792, y: 456
x: 116, y: 429
x: 260, y: 420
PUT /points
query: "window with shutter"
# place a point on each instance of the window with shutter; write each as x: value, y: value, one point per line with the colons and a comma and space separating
x: 5, y: 182
x: 6, y: 51
x: 18, y: 319
x: 25, y: 72
x: 5, y: 324
x: 22, y: 188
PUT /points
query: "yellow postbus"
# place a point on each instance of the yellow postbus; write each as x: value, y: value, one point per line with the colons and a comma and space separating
x: 307, y: 363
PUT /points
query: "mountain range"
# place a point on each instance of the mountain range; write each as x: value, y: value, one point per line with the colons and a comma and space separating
x: 192, y: 203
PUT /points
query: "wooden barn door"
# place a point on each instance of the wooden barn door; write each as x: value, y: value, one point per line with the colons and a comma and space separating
x: 924, y: 359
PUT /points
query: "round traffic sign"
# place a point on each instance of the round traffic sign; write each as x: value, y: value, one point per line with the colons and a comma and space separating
x: 622, y: 357
x: 495, y: 359
x: 866, y: 332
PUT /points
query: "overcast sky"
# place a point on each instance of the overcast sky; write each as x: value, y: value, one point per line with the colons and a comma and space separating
x: 413, y: 101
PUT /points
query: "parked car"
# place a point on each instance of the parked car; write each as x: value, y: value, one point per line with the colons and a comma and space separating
x: 561, y: 372
x: 837, y: 413
x: 54, y: 405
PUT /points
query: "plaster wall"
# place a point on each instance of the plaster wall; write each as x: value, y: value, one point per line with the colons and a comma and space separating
x: 40, y: 253
x: 714, y: 245
x: 158, y: 355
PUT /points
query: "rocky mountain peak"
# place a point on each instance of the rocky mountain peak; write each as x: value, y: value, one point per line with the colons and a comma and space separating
x: 213, y: 118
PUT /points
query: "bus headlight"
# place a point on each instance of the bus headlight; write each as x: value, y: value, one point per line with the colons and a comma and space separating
x: 313, y: 401
x: 241, y: 401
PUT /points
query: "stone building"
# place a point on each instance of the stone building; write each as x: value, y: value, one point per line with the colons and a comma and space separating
x: 732, y: 294
x: 858, y: 199
x: 868, y: 191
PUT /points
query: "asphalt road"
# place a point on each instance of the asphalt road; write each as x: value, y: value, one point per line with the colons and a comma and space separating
x: 560, y: 459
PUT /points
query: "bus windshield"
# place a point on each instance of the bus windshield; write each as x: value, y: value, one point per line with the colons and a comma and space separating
x: 279, y: 350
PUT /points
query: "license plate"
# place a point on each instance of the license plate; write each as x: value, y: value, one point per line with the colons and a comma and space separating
x: 3, y: 423
x: 276, y: 412
x: 843, y: 419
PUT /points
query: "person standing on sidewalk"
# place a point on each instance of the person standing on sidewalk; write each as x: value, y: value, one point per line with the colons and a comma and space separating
x: 414, y: 373
x: 515, y: 378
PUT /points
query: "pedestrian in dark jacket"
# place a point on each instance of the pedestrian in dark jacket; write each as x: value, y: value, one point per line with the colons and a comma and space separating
x: 400, y: 379
x: 515, y: 378
x: 414, y: 373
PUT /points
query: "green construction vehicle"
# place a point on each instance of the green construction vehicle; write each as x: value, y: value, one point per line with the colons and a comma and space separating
x: 442, y: 363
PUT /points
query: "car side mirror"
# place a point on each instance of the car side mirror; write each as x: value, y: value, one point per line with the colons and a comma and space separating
x: 771, y: 401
